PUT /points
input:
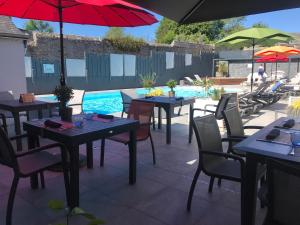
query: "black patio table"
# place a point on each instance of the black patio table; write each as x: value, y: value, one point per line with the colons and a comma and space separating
x: 15, y: 107
x: 90, y: 131
x: 168, y: 104
x: 260, y: 151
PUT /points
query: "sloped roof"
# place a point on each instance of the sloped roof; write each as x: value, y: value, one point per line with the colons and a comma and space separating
x: 8, y: 29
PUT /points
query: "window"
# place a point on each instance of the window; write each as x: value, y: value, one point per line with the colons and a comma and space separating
x: 28, y: 66
x: 169, y: 60
x: 188, y: 59
x: 48, y: 68
x: 129, y: 65
x: 122, y: 65
x: 76, y: 67
x: 116, y: 65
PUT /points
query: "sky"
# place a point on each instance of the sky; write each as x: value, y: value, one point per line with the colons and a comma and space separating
x: 284, y: 20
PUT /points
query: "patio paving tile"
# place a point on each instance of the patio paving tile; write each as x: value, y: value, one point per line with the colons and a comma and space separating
x: 159, y: 196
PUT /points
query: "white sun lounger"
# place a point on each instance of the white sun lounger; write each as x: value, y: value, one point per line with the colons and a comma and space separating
x: 198, y: 78
x: 189, y: 80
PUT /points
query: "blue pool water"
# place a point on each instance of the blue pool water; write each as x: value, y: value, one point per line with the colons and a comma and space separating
x: 110, y: 101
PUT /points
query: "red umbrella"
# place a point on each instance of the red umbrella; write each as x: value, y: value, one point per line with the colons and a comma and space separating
x: 114, y: 13
x: 278, y: 58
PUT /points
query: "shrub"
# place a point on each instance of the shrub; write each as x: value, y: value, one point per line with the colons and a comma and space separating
x: 148, y: 80
x: 127, y: 44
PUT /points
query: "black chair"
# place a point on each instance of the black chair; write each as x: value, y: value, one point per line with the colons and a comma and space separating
x: 283, y: 193
x: 212, y: 160
x: 4, y: 115
x: 222, y: 104
x: 28, y: 164
x: 236, y: 133
x: 235, y: 128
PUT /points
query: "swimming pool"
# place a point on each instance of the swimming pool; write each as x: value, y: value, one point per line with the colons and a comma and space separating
x: 108, y: 102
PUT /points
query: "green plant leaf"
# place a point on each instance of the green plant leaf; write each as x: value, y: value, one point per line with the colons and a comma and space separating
x: 81, y: 212
x: 56, y: 205
x: 96, y: 222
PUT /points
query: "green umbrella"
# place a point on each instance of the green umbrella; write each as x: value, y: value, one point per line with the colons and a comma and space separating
x: 256, y: 36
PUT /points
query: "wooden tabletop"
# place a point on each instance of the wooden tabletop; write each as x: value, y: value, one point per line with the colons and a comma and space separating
x: 267, y: 149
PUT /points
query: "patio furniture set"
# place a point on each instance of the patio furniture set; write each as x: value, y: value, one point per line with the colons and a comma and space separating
x: 67, y: 137
x: 244, y: 162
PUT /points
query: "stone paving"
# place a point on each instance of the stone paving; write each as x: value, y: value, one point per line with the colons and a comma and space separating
x: 158, y: 198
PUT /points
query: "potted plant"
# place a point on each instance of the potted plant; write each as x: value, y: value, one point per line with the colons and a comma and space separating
x: 63, y: 94
x: 205, y: 83
x: 223, y: 69
x: 171, y: 84
x: 148, y: 81
x: 216, y: 93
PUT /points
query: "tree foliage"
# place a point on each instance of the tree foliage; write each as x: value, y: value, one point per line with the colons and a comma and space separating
x: 38, y: 25
x: 260, y: 25
x: 169, y: 30
x: 115, y: 32
x: 233, y: 25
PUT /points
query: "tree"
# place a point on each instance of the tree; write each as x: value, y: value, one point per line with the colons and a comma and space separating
x: 38, y: 25
x: 115, y: 32
x: 169, y: 30
x: 260, y: 25
x: 165, y: 33
x: 233, y: 25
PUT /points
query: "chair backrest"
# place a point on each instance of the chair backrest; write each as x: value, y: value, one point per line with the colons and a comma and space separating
x: 76, y: 102
x: 189, y: 80
x: 222, y: 104
x: 262, y: 87
x: 141, y: 111
x: 197, y: 77
x: 127, y: 97
x: 204, y: 127
x: 6, y: 95
x: 233, y: 122
x: 7, y: 154
x: 283, y: 194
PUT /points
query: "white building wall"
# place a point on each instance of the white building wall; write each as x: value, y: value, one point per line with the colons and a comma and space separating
x: 12, y: 66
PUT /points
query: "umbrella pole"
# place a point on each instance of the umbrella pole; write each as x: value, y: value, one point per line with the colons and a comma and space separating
x: 252, y: 65
x: 62, y: 57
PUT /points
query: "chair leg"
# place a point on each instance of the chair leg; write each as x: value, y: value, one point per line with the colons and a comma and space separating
x: 4, y: 124
x: 189, y: 203
x: 179, y: 111
x: 219, y: 182
x: 262, y: 182
x: 42, y: 179
x: 11, y: 199
x: 153, y: 123
x: 211, y: 184
x: 153, y: 150
x: 102, y: 152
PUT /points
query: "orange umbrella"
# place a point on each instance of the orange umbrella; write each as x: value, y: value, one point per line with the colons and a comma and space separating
x: 278, y: 50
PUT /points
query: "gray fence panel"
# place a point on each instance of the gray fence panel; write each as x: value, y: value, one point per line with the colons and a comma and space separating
x: 98, y: 72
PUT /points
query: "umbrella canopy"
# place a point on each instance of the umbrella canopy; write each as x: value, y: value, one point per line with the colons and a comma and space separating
x: 256, y: 36
x: 278, y: 50
x: 190, y: 11
x: 271, y: 59
x: 104, y: 13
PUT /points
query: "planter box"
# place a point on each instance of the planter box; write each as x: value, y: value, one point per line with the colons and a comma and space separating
x: 228, y: 80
